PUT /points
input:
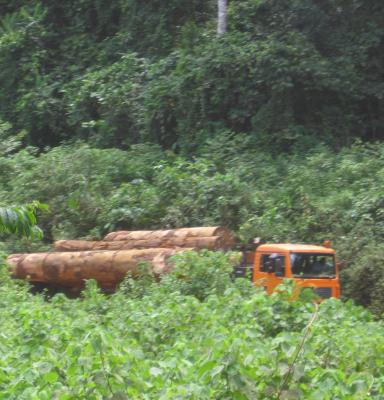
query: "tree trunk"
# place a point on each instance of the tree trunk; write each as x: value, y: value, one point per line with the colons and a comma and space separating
x: 173, y: 234
x: 221, y: 17
x: 209, y: 243
x: 71, y: 269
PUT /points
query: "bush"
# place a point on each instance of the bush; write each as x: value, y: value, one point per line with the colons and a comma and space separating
x: 201, y: 274
x: 75, y: 181
x: 364, y: 279
x: 166, y: 343
x: 296, y: 198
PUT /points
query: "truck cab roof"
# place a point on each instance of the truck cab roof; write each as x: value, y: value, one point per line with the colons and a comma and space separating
x: 295, y: 248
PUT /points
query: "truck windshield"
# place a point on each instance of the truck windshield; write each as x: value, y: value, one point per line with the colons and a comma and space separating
x: 311, y: 265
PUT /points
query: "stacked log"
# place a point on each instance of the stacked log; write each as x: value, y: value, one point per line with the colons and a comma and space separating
x: 119, y: 253
x: 213, y: 238
x: 210, y: 243
x: 108, y: 268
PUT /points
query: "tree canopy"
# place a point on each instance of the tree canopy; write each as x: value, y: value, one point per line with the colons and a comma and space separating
x: 130, y: 71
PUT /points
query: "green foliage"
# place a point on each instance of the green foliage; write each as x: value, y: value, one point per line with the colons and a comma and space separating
x: 75, y: 182
x: 155, y: 71
x: 104, y: 105
x: 21, y: 221
x: 160, y: 22
x: 203, y: 130
x: 9, y: 143
x: 90, y: 191
x: 235, y: 343
x: 201, y: 274
x: 364, y: 280
x: 286, y: 198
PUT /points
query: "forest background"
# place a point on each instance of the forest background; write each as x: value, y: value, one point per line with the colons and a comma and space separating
x: 132, y: 114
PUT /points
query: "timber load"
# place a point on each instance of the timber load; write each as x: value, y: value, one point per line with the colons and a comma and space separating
x: 71, y: 269
x: 108, y: 261
x: 213, y: 238
x: 209, y: 243
x: 210, y: 238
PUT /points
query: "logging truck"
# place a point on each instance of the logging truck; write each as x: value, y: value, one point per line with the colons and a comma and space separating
x: 108, y: 261
x: 308, y: 265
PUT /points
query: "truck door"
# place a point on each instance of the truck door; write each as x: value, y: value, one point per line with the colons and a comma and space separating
x: 270, y: 270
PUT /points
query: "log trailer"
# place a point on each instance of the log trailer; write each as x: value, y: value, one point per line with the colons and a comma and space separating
x: 108, y: 261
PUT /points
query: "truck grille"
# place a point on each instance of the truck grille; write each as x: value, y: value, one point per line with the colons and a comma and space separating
x: 324, y: 292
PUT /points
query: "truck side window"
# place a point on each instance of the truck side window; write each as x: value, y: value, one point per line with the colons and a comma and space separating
x: 273, y: 263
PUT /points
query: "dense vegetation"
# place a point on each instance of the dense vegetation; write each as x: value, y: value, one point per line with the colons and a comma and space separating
x: 134, y: 114
x: 133, y: 71
x: 281, y: 198
x: 203, y: 337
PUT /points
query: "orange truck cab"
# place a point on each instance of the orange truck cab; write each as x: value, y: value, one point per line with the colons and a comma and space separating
x: 309, y: 265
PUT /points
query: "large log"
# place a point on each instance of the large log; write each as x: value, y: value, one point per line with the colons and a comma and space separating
x: 175, y: 236
x: 210, y: 243
x: 108, y: 268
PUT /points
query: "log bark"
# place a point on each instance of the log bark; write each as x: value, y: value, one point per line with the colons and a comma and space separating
x: 175, y: 236
x: 108, y: 268
x: 210, y: 243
